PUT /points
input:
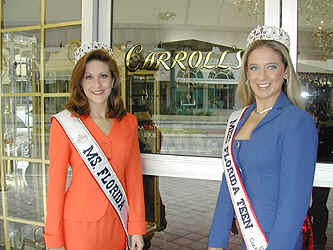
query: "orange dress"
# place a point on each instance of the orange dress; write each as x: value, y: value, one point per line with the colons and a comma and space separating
x: 81, y: 217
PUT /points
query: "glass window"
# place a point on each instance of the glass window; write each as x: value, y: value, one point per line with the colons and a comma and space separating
x: 19, y: 13
x: 36, y: 64
x: 24, y: 236
x: 315, y: 67
x: 63, y: 11
x: 24, y: 193
x: 21, y: 60
x: 181, y: 81
x: 21, y: 128
x: 59, y: 61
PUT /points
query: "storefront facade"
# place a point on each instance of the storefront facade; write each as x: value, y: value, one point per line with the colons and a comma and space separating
x: 182, y: 103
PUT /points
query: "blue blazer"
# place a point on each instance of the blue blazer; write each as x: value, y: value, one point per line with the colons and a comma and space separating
x: 277, y: 167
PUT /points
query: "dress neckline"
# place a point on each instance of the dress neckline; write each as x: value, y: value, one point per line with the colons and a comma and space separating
x: 98, y: 129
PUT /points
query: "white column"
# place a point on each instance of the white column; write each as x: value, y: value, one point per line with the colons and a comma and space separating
x: 89, y: 27
x: 289, y: 24
x: 272, y: 12
x: 105, y: 21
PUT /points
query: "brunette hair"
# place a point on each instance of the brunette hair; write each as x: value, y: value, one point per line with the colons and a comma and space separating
x: 78, y: 102
x: 291, y: 87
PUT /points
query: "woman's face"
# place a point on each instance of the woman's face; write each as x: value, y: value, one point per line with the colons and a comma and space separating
x: 265, y: 72
x: 97, y: 82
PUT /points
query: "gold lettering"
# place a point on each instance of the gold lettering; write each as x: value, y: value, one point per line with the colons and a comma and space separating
x: 180, y: 56
x: 134, y: 59
x: 164, y: 56
x: 190, y: 59
x: 150, y: 60
x: 206, y: 66
x: 220, y: 63
x: 134, y: 51
x: 239, y: 60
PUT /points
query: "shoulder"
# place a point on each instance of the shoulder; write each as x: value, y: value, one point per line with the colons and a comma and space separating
x: 295, y: 113
x: 297, y: 119
x: 129, y: 120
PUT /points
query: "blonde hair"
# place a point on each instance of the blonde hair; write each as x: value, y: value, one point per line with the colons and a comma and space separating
x: 292, y: 87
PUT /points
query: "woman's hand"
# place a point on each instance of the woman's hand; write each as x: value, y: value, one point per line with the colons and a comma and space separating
x: 137, y: 242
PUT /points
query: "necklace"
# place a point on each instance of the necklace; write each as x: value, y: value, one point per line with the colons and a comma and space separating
x: 263, y: 111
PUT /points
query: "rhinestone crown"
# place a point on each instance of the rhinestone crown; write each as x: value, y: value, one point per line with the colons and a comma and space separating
x: 86, y: 48
x: 262, y: 32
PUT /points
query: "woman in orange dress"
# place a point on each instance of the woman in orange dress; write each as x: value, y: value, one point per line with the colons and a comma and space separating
x: 81, y: 217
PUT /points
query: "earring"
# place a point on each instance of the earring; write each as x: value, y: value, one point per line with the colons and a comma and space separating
x: 285, y: 81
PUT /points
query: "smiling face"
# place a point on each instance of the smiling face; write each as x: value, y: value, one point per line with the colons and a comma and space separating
x: 97, y: 83
x: 266, y: 72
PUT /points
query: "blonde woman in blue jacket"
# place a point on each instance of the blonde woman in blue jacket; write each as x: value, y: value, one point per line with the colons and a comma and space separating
x: 274, y: 146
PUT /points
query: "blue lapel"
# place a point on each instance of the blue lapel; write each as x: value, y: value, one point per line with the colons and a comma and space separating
x: 280, y: 104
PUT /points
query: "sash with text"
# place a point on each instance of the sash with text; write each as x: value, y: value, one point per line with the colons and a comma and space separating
x: 97, y: 163
x: 253, y: 235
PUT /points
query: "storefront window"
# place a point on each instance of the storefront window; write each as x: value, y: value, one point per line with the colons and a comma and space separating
x: 19, y: 13
x: 59, y: 59
x: 182, y: 103
x: 315, y: 67
x: 63, y: 11
x: 21, y: 62
x: 25, y: 236
x: 21, y: 126
x: 24, y: 190
x: 36, y: 63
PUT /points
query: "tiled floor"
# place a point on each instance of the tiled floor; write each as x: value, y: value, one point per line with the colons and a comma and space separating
x: 190, y: 207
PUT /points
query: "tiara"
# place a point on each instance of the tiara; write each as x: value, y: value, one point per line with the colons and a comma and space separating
x: 87, y: 47
x: 262, y: 32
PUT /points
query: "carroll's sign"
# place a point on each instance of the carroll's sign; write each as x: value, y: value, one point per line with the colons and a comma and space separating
x: 135, y: 60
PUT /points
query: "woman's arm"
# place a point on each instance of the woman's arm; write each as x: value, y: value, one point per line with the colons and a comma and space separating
x: 59, y: 158
x: 222, y: 221
x: 298, y: 159
x: 134, y: 185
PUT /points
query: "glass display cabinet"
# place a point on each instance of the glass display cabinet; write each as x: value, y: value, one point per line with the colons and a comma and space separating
x: 142, y: 101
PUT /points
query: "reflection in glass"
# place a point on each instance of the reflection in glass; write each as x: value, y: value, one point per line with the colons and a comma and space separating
x: 24, y: 236
x: 63, y: 11
x: 318, y: 91
x: 59, y: 61
x: 21, y: 13
x: 24, y: 190
x: 183, y: 108
x: 2, y: 235
x: 21, y: 128
x: 53, y: 105
x: 151, y: 22
x: 182, y: 113
x: 21, y: 53
x: 315, y: 62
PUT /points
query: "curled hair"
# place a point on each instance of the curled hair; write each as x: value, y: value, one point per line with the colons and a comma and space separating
x: 292, y: 88
x: 78, y: 102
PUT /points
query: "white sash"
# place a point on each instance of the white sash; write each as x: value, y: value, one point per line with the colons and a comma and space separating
x: 253, y: 235
x: 97, y: 163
